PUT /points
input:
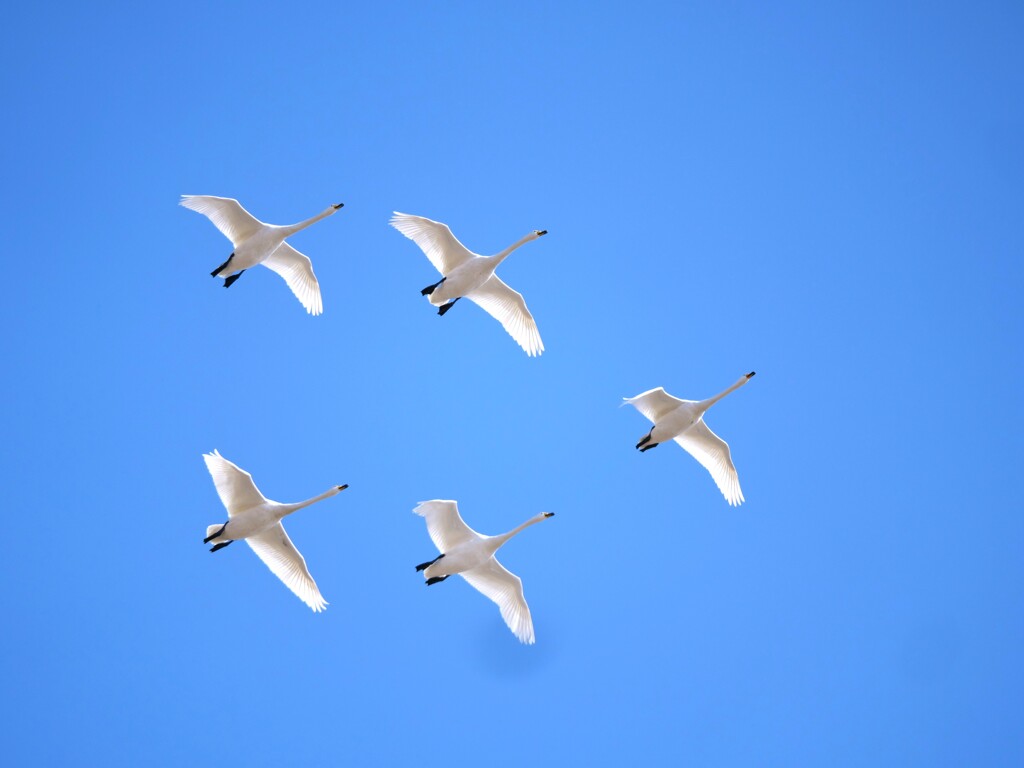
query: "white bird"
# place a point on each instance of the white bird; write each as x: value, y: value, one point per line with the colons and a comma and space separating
x: 468, y: 274
x: 259, y: 243
x: 257, y: 519
x: 683, y: 421
x: 471, y: 555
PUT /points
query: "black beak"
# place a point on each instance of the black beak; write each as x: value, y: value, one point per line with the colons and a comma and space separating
x: 343, y: 487
x: 542, y: 232
x: 339, y: 205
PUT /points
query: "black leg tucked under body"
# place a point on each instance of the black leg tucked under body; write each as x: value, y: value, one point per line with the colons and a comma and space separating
x: 424, y: 566
x: 208, y: 539
x: 431, y: 288
x: 446, y: 307
x: 222, y: 266
x: 229, y: 280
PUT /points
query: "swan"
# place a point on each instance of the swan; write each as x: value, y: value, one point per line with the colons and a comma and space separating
x: 471, y: 554
x: 683, y: 421
x: 468, y: 274
x: 257, y: 519
x: 259, y: 243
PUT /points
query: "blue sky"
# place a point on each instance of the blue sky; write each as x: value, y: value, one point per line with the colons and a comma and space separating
x: 828, y: 196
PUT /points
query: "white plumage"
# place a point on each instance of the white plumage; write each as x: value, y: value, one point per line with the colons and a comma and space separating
x: 253, y: 517
x: 683, y: 421
x: 471, y: 555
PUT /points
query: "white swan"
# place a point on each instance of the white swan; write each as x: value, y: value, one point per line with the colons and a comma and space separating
x: 683, y: 421
x: 253, y: 517
x: 471, y: 555
x: 259, y: 243
x: 468, y: 274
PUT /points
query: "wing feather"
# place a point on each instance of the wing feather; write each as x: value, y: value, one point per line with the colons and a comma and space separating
x: 276, y: 550
x: 445, y: 525
x: 297, y: 271
x: 509, y: 308
x: 506, y: 589
x: 714, y: 455
x: 435, y: 239
x: 234, y: 485
x: 655, y: 404
x: 227, y: 214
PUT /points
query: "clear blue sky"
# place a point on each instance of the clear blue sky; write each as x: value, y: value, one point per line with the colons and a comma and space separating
x: 829, y: 196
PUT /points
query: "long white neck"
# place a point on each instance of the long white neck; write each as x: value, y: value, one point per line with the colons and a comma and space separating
x: 291, y: 229
x: 501, y: 538
x: 289, y: 508
x: 705, y: 404
x: 500, y: 257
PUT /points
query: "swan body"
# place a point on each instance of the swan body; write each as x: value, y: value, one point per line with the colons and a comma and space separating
x: 470, y: 275
x: 259, y: 243
x: 471, y: 555
x: 257, y: 520
x: 683, y: 421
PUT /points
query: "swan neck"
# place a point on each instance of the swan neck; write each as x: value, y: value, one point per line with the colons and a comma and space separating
x: 502, y: 538
x: 705, y: 404
x: 291, y: 229
x: 500, y: 257
x: 289, y: 508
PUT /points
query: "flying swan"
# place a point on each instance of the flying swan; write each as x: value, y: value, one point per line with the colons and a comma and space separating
x: 471, y: 554
x: 465, y: 273
x: 259, y: 243
x: 257, y: 519
x: 683, y: 421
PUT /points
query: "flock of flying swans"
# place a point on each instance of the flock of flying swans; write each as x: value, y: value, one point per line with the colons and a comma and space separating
x: 464, y: 274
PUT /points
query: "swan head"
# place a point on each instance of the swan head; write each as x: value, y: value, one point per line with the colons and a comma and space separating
x: 548, y: 514
x: 342, y: 487
x: 339, y: 205
x: 540, y: 232
x: 751, y: 374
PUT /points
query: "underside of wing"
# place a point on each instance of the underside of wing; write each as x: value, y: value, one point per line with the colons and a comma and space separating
x: 234, y: 485
x: 435, y: 239
x: 655, y: 404
x: 509, y: 308
x: 444, y: 524
x: 713, y: 454
x: 297, y: 271
x: 276, y: 550
x: 506, y: 589
x: 227, y: 214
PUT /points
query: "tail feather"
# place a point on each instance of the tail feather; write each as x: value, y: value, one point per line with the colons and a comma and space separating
x: 212, y: 529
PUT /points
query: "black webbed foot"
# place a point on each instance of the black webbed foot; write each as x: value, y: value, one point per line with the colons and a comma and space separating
x: 436, y: 579
x: 424, y: 566
x: 649, y: 446
x: 446, y: 307
x: 208, y: 539
x: 222, y: 266
x: 431, y: 288
x: 229, y: 280
x: 219, y: 546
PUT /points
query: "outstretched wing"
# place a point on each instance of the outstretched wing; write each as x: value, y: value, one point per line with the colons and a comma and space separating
x: 506, y: 589
x: 276, y: 550
x: 509, y: 308
x: 234, y: 485
x: 435, y: 239
x: 655, y: 404
x: 444, y: 524
x: 227, y: 214
x: 713, y: 454
x: 297, y: 271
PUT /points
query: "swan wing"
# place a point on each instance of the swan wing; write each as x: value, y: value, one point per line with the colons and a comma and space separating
x: 297, y: 271
x: 227, y: 214
x: 506, y: 589
x: 435, y: 239
x: 655, y: 404
x: 234, y: 485
x: 713, y: 454
x: 445, y: 525
x: 509, y: 308
x: 276, y: 550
